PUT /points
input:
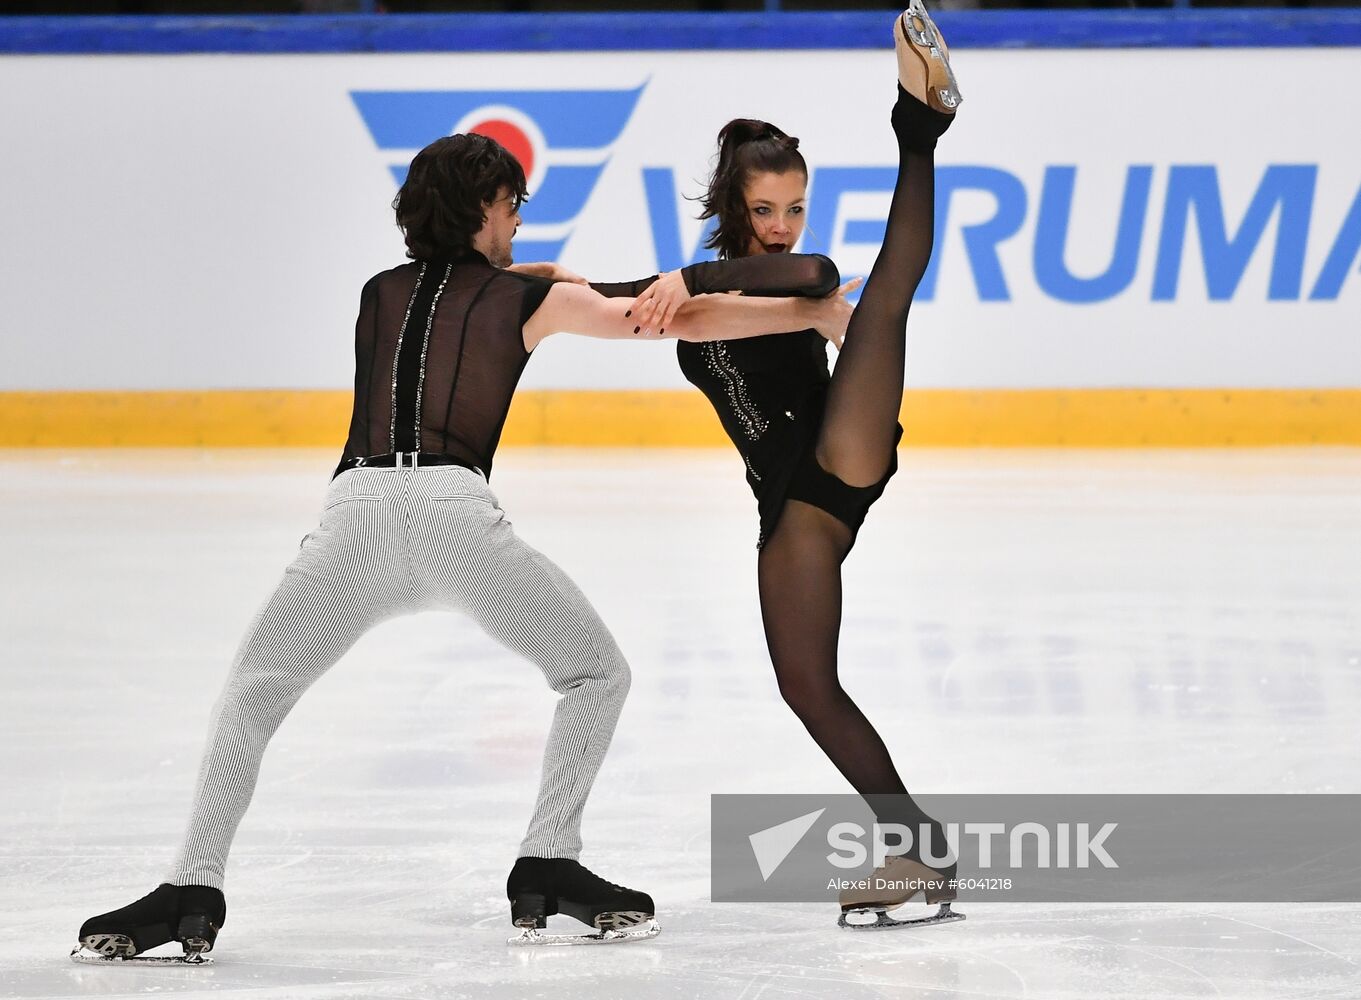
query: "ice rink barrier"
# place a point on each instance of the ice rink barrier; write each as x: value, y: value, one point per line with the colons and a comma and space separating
x: 1145, y: 233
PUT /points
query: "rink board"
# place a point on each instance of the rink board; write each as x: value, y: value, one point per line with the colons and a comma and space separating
x: 240, y: 201
x: 678, y: 418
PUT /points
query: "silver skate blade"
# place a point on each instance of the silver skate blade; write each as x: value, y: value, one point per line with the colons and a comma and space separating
x: 919, y: 26
x: 537, y: 938
x: 922, y: 32
x: 85, y: 956
x: 883, y: 921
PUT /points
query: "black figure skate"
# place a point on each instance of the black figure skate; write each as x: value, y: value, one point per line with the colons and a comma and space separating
x: 191, y: 915
x: 540, y: 887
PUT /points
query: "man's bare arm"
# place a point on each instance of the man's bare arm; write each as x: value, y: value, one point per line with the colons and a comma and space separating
x: 578, y: 309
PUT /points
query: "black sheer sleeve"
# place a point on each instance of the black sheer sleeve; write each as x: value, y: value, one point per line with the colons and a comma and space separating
x: 623, y: 289
x: 536, y: 290
x: 810, y: 275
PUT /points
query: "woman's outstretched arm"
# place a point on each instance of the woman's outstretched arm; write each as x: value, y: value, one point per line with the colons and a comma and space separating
x: 778, y: 275
x: 773, y: 274
x: 624, y: 289
x: 656, y: 299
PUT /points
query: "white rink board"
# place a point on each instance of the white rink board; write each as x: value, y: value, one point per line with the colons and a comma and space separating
x: 207, y: 221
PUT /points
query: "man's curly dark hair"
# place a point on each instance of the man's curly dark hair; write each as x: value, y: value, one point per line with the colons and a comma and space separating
x: 439, y: 206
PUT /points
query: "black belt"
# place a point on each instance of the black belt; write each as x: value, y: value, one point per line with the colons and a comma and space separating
x: 401, y: 460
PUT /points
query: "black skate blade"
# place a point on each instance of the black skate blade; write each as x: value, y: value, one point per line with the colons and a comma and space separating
x: 883, y: 921
x: 84, y: 956
x: 639, y: 931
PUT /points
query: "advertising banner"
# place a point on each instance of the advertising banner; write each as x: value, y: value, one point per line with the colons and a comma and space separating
x: 1105, y: 219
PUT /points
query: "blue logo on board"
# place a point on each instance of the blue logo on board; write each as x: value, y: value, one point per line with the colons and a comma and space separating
x: 1280, y: 222
x: 561, y: 137
x: 1192, y: 227
x: 564, y: 139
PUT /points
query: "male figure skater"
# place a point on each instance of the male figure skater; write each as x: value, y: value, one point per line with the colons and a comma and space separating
x: 411, y: 525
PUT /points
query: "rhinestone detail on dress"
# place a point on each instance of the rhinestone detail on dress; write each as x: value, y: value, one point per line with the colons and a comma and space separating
x: 721, y: 364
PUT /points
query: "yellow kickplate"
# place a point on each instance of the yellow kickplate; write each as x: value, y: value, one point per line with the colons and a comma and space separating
x: 683, y: 418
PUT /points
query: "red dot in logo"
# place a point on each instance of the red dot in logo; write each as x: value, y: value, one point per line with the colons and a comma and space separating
x: 512, y: 137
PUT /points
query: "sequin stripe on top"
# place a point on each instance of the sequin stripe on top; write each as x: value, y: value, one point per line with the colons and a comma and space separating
x: 721, y: 364
x: 397, y: 355
x: 425, y: 350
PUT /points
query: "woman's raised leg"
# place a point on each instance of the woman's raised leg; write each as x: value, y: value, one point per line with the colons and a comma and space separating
x: 859, y: 429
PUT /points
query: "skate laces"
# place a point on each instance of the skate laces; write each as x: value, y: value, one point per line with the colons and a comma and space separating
x: 618, y: 888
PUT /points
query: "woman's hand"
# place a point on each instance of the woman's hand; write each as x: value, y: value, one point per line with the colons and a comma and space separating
x: 656, y: 307
x: 545, y: 269
x: 833, y: 313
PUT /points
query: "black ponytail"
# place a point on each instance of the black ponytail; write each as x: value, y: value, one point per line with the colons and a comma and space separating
x: 746, y: 146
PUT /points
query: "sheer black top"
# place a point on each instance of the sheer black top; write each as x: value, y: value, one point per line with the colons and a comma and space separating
x: 768, y: 391
x: 439, y: 349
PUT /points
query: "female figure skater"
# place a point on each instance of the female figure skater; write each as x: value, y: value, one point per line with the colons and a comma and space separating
x: 820, y: 448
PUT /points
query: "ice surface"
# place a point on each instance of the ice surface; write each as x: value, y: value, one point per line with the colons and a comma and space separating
x: 1015, y: 621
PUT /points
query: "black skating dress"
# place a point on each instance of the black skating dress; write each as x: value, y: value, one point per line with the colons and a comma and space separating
x: 770, y: 392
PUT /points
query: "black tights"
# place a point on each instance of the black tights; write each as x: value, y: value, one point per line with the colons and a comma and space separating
x: 799, y: 570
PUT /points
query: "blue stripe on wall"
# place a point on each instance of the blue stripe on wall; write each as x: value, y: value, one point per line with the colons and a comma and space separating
x: 302, y: 33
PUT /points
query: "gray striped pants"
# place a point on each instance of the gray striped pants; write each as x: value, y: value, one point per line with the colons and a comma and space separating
x: 394, y: 542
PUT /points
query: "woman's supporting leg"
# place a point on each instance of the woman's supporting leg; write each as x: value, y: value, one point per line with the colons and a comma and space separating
x: 799, y: 575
